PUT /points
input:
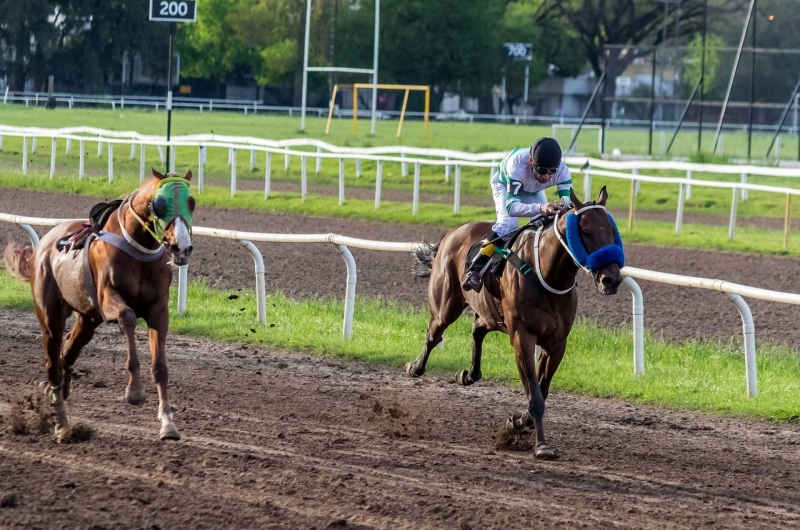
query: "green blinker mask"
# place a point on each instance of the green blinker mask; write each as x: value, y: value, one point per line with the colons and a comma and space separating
x: 170, y: 201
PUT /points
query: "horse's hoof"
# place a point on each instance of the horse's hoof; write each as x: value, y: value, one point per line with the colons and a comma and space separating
x: 545, y: 452
x: 463, y: 379
x: 135, y: 397
x: 170, y: 432
x: 412, y: 371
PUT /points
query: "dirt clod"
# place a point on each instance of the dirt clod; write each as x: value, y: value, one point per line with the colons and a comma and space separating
x: 75, y: 434
x: 9, y: 500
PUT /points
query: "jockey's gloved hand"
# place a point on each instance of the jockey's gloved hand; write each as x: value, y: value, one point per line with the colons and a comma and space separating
x: 549, y: 209
x: 565, y: 202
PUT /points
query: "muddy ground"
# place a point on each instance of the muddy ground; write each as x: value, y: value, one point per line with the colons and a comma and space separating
x: 317, y: 270
x: 273, y: 439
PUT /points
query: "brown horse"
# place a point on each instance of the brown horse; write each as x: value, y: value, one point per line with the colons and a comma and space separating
x: 531, y: 309
x: 121, y: 276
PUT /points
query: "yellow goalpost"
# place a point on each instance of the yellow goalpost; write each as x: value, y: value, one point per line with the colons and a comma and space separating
x: 407, y: 88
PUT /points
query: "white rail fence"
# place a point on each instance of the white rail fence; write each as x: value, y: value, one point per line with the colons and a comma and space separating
x: 733, y: 291
x: 403, y: 156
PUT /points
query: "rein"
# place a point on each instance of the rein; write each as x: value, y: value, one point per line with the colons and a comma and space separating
x: 563, y: 244
x: 132, y: 242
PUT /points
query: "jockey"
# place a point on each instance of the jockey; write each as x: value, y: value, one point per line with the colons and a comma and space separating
x: 518, y: 191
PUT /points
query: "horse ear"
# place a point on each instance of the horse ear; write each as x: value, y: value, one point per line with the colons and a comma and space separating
x: 156, y: 174
x: 188, y: 175
x: 603, y: 197
x: 574, y: 199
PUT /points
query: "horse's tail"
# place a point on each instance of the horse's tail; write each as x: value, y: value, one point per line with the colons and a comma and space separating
x: 423, y: 258
x: 18, y: 261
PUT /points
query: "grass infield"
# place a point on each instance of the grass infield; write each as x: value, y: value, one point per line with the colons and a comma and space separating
x: 694, y: 375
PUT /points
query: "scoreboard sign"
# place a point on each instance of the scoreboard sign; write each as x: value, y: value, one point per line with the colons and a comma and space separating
x: 173, y: 10
x: 519, y: 51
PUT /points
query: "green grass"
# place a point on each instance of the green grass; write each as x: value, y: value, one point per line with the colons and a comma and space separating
x: 748, y: 239
x: 695, y: 375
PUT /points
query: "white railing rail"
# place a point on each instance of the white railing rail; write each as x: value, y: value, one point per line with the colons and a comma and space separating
x: 403, y: 156
x: 733, y: 291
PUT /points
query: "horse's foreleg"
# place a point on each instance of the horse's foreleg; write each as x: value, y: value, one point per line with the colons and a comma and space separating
x: 80, y: 335
x: 479, y: 332
x: 115, y: 309
x: 524, y: 344
x: 416, y: 368
x: 158, y: 324
x: 548, y: 364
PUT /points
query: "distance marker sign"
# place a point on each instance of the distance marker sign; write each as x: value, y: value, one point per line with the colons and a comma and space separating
x: 173, y: 10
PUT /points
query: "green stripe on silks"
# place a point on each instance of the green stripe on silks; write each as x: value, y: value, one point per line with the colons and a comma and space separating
x: 565, y: 193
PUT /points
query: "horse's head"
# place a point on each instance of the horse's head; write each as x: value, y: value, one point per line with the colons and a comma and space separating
x: 598, y: 236
x: 168, y: 205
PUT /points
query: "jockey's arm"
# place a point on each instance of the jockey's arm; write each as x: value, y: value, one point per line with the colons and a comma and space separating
x: 564, y: 185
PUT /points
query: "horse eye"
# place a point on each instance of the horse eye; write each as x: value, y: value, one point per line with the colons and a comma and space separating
x: 159, y: 207
x: 191, y: 203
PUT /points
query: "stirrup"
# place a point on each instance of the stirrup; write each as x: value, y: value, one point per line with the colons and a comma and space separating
x: 472, y: 282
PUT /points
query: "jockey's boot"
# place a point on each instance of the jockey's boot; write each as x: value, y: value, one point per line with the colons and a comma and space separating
x: 473, y: 280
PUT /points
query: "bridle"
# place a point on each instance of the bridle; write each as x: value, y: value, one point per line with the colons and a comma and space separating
x: 563, y: 244
x: 127, y: 236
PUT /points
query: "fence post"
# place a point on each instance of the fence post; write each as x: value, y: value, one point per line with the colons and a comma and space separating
x: 230, y: 155
x: 787, y: 221
x: 749, y: 329
x: 183, y: 284
x: 415, y: 206
x: 52, y: 157
x: 341, y: 181
x: 732, y: 222
x: 635, y: 171
x: 99, y: 148
x: 261, y: 290
x: 358, y: 168
x: 233, y: 173
x: 638, y: 324
x: 200, y: 168
x: 69, y: 145
x: 81, y: 161
x: 378, y: 183
x: 632, y: 205
x: 24, y: 155
x: 111, y: 162
x: 679, y: 213
x: 252, y: 159
x: 744, y: 191
x: 303, y: 178
x: 286, y: 159
x: 403, y: 166
x: 34, y: 145
x: 268, y: 175
x: 142, y: 151
x: 161, y: 153
x: 457, y: 191
x: 587, y: 185
x: 350, y: 293
x: 447, y: 170
x: 688, y: 186
x: 133, y: 151
x: 319, y: 161
x: 172, y: 159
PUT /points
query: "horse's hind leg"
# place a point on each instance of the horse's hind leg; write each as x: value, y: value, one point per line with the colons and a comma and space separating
x: 52, y: 320
x: 479, y: 332
x: 440, y: 321
x: 80, y: 335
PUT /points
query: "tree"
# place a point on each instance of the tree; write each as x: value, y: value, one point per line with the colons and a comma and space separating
x: 26, y: 36
x: 694, y: 61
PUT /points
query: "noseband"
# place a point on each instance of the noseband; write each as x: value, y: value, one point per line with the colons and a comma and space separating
x: 587, y: 262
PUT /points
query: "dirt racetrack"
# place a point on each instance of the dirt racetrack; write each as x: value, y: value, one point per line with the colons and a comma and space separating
x: 273, y: 439
x: 316, y: 270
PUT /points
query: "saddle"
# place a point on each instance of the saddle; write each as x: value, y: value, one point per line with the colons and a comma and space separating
x: 98, y: 216
x: 503, y: 253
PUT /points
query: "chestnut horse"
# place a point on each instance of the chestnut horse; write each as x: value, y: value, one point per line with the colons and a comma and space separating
x: 122, y: 275
x: 532, y: 309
